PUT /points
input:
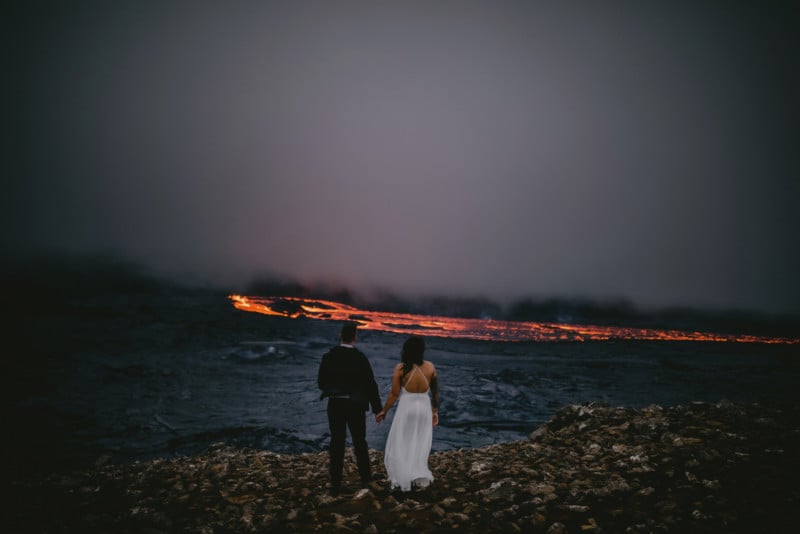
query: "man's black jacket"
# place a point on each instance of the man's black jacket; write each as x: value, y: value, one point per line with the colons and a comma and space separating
x: 347, y: 371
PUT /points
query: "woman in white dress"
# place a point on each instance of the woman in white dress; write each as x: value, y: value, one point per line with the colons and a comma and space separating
x: 408, y: 446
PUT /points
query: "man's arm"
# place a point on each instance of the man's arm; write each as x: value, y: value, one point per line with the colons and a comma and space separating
x: 374, y: 394
x: 323, y: 376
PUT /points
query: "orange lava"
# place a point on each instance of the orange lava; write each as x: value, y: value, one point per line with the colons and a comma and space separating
x: 484, y: 329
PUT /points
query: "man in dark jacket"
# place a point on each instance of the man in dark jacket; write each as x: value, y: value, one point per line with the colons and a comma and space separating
x: 345, y: 377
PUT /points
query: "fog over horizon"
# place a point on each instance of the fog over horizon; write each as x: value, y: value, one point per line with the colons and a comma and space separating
x: 478, y: 149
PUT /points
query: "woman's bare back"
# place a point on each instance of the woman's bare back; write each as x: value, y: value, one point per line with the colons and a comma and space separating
x: 418, y: 380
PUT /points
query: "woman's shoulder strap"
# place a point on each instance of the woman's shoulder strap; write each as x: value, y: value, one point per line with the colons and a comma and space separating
x: 419, y: 370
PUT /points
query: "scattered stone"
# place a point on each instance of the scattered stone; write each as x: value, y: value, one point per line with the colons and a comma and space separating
x: 704, y: 467
x: 574, y: 508
x: 539, y: 433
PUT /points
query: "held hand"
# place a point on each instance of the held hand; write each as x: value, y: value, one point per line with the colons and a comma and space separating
x: 380, y: 416
x: 435, y: 418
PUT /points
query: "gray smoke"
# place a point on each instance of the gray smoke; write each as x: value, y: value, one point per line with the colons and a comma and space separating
x: 467, y: 148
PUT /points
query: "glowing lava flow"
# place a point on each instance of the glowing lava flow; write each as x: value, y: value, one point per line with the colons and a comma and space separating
x: 485, y: 329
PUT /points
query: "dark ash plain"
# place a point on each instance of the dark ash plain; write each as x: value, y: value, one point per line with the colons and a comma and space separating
x: 117, y: 365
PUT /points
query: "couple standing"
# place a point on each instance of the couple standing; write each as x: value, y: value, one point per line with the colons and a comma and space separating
x: 346, y: 378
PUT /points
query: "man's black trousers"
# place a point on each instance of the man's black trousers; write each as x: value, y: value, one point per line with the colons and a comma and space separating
x: 343, y: 413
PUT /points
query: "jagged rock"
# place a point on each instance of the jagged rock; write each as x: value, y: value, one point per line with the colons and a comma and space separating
x: 539, y: 433
x: 575, y: 508
x: 448, y: 501
x: 458, y: 517
x: 541, y: 489
x: 478, y: 467
x: 500, y: 490
x: 710, y: 467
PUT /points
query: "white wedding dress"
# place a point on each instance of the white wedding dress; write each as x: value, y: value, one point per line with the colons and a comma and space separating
x: 409, y: 443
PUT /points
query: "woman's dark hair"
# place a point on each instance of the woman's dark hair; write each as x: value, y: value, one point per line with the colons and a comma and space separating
x: 411, y: 354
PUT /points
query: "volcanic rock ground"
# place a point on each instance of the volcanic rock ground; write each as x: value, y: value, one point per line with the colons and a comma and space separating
x: 701, y: 467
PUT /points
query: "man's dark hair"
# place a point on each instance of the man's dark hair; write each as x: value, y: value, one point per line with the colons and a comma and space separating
x: 349, y: 332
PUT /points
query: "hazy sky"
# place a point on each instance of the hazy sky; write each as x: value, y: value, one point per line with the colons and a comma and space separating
x: 641, y: 150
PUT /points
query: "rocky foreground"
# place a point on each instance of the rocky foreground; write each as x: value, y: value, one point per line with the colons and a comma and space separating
x: 592, y: 468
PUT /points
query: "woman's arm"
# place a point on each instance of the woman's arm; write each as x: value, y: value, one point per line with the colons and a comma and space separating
x: 435, y: 397
x: 393, y: 394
